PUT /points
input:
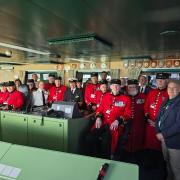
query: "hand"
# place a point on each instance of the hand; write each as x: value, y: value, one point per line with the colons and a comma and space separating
x: 152, y: 123
x: 114, y: 125
x: 160, y: 137
x: 98, y: 123
x: 146, y: 117
x: 94, y: 107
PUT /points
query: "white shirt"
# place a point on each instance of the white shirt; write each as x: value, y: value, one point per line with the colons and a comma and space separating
x: 73, y: 90
x: 37, y: 99
x: 142, y: 88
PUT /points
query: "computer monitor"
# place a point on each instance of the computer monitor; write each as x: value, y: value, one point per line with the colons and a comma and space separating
x: 70, y: 109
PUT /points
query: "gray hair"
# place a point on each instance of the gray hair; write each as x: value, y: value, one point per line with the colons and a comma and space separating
x: 175, y: 81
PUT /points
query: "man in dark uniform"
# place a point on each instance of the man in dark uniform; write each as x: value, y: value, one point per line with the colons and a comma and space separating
x: 114, y: 112
x: 135, y: 140
x: 73, y: 94
x: 79, y: 83
x: 90, y: 90
x: 154, y: 100
x: 143, y: 86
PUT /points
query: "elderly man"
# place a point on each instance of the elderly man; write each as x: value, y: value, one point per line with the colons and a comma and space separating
x: 3, y: 93
x: 56, y: 93
x: 15, y: 99
x: 73, y: 94
x: 40, y: 96
x: 90, y: 90
x: 135, y: 142
x: 103, y: 90
x: 168, y: 130
x: 51, y: 82
x: 112, y: 114
x: 152, y: 106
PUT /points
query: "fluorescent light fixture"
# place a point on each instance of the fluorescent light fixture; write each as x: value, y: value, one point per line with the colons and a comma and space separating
x: 169, y: 32
x: 79, y: 38
x: 23, y: 49
x: 80, y: 60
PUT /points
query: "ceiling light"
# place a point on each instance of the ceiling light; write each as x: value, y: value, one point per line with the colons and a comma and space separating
x: 79, y: 38
x: 80, y: 60
x: 169, y: 32
x: 23, y: 49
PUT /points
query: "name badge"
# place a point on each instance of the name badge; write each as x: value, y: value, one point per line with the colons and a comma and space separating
x: 54, y: 97
x: 119, y: 104
x: 92, y: 95
x: 108, y: 111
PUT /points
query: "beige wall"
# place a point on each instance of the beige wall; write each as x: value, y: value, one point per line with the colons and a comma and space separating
x: 19, y: 70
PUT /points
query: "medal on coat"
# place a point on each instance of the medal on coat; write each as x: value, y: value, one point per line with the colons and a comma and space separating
x: 140, y: 101
x: 92, y: 95
x: 119, y: 104
x: 108, y: 111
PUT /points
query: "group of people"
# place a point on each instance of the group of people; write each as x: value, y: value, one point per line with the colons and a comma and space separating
x: 136, y: 123
x: 17, y: 96
x: 131, y: 119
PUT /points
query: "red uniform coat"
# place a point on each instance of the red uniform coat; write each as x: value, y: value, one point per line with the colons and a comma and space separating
x: 135, y: 140
x: 99, y: 97
x: 16, y: 99
x: 48, y: 86
x: 90, y: 91
x: 112, y: 108
x: 56, y: 93
x: 152, y: 105
x: 3, y: 96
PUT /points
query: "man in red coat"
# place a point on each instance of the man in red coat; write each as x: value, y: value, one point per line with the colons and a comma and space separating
x: 152, y: 106
x: 51, y: 82
x: 15, y: 99
x: 90, y: 90
x: 3, y: 93
x: 99, y: 94
x: 112, y: 114
x: 56, y: 93
x: 135, y: 140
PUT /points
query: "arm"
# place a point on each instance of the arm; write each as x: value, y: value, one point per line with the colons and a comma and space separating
x: 147, y: 104
x: 87, y: 95
x: 65, y: 95
x: 50, y: 97
x: 18, y: 103
x: 127, y: 111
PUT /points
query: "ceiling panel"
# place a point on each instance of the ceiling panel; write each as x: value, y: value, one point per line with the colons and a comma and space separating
x: 134, y: 27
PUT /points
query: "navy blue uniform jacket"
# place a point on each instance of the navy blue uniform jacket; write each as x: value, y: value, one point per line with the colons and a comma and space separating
x: 170, y: 125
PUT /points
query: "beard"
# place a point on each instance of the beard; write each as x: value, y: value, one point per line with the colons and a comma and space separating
x: 133, y: 93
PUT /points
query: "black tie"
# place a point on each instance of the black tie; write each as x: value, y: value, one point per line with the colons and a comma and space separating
x: 142, y: 89
x: 43, y: 97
